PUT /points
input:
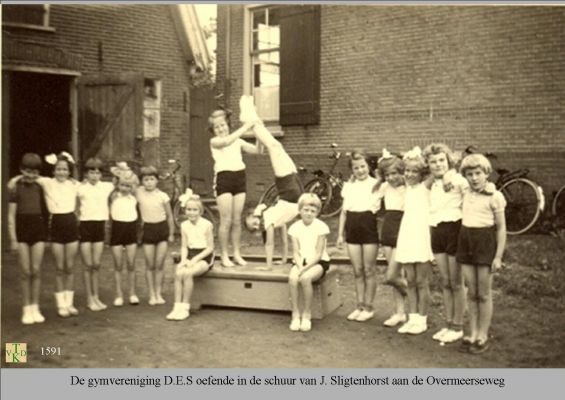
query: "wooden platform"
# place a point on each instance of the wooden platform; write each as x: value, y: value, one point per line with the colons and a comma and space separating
x: 253, y: 287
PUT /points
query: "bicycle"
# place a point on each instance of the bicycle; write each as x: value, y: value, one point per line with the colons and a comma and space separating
x: 326, y: 185
x: 179, y: 216
x: 525, y: 198
x: 558, y: 210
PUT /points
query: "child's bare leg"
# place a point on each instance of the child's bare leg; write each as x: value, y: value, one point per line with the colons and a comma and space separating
x: 71, y: 250
x: 422, y: 274
x: 306, y: 280
x: 484, y: 298
x: 131, y: 249
x: 149, y: 253
x: 281, y: 162
x: 37, y: 251
x: 369, y: 266
x: 456, y: 283
x: 225, y: 207
x: 411, y: 289
x: 188, y: 282
x: 26, y: 274
x: 59, y: 254
x: 443, y: 266
x: 118, y: 262
x: 160, y: 254
x: 394, y: 277
x: 86, y: 254
x: 356, y: 256
x: 238, y: 204
x: 293, y: 288
x: 179, y: 277
x: 471, y: 279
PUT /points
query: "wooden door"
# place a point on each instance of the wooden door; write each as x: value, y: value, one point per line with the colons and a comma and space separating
x: 111, y: 117
x: 202, y: 103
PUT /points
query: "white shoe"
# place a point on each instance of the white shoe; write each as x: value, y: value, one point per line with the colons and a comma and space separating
x: 295, y: 324
x: 439, y: 334
x: 365, y: 316
x: 93, y: 306
x: 27, y: 316
x: 419, y: 327
x: 133, y: 300
x: 159, y: 300
x: 118, y: 301
x: 152, y: 300
x: 408, y: 325
x: 247, y: 111
x: 394, y: 320
x: 69, y: 298
x: 38, y: 318
x: 184, y: 312
x: 172, y: 316
x: 451, y: 336
x: 354, y: 314
x: 100, y: 305
x: 305, y: 325
x: 62, y: 309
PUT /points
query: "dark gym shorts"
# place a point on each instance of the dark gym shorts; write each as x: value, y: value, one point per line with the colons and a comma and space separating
x: 123, y: 233
x: 31, y: 229
x: 476, y: 246
x: 209, y: 259
x: 64, y: 228
x: 445, y: 236
x: 233, y: 182
x: 391, y: 226
x: 361, y: 228
x: 289, y: 188
x: 325, y: 264
x: 155, y: 233
x: 92, y: 231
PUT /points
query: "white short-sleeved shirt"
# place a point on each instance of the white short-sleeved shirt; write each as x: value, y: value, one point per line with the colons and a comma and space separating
x: 196, y: 233
x: 393, y: 196
x: 61, y: 197
x: 307, y: 236
x: 94, y: 200
x: 123, y: 208
x: 358, y: 196
x: 280, y: 214
x: 479, y: 209
x: 446, y: 206
x: 228, y: 158
x: 152, y: 205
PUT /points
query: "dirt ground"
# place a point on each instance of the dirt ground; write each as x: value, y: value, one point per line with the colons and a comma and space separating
x: 527, y: 330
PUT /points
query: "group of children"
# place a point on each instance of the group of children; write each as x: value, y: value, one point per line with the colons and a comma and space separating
x: 432, y: 212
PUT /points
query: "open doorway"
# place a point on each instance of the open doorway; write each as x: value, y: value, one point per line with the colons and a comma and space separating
x: 39, y: 117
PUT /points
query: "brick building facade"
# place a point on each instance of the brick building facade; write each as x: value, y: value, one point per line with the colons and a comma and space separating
x: 399, y: 76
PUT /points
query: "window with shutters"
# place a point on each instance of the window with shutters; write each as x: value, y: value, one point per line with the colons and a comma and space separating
x: 31, y: 16
x: 282, y: 65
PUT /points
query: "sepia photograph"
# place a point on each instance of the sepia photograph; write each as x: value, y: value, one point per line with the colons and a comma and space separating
x: 315, y: 185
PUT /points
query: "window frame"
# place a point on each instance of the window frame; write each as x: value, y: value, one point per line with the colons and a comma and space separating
x: 43, y: 27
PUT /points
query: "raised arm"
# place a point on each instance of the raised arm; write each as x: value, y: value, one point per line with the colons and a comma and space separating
x: 219, y: 142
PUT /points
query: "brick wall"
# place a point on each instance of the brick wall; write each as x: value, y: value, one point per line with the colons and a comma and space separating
x: 397, y: 76
x: 133, y: 38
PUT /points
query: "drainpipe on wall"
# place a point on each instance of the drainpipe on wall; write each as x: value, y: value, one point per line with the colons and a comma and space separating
x: 227, y: 83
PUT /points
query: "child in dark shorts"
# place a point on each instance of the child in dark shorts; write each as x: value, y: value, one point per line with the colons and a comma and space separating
x: 391, y: 190
x: 358, y: 229
x: 446, y: 198
x: 158, y: 230
x: 27, y: 227
x: 124, y: 217
x: 230, y: 181
x: 197, y: 254
x: 480, y: 247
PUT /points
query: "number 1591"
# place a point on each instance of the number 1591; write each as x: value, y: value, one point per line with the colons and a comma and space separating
x: 50, y: 351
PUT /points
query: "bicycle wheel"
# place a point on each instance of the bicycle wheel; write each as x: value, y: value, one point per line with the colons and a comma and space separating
x: 270, y: 196
x: 330, y: 196
x: 558, y: 209
x: 524, y: 204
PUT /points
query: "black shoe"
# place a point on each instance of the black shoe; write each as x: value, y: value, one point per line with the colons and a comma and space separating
x: 465, y: 345
x: 479, y: 347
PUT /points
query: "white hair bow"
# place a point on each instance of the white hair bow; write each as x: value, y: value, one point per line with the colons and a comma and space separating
x: 414, y: 153
x: 186, y: 196
x: 67, y: 156
x: 386, y: 154
x: 51, y: 159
